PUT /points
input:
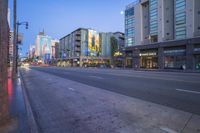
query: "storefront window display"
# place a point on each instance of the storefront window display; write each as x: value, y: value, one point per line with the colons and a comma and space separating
x: 175, y: 62
x: 149, y: 60
x: 197, y: 62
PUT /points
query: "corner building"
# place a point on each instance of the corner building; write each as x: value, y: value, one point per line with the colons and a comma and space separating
x: 163, y: 34
x: 85, y: 47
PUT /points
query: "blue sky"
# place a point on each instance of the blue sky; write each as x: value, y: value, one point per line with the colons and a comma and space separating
x: 60, y: 17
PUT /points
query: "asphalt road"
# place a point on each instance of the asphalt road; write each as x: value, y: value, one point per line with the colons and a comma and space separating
x: 176, y: 90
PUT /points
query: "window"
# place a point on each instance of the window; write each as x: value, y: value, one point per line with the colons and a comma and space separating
x: 153, y: 10
x: 180, y: 19
x: 129, y: 12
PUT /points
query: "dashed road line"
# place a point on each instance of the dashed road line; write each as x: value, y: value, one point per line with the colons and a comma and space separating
x: 71, y: 89
x: 97, y: 77
x: 168, y: 130
x: 189, y: 91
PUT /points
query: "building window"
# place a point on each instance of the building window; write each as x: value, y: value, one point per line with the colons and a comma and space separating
x: 180, y: 19
x: 153, y: 13
x: 129, y: 12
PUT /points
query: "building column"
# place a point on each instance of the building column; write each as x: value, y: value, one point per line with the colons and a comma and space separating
x: 136, y: 59
x: 189, y: 56
x: 161, y: 58
x: 4, y: 40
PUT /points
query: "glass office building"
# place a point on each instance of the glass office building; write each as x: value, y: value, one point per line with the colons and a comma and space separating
x: 129, y: 26
x: 163, y: 34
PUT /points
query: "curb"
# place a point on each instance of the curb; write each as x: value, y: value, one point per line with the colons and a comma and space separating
x: 33, y: 126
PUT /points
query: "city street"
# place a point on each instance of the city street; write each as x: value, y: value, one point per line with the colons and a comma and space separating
x: 89, y: 100
x: 177, y: 90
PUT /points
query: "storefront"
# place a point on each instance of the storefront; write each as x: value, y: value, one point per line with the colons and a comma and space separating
x: 175, y: 58
x: 197, y: 56
x: 129, y: 59
x: 197, y: 62
x: 149, y: 59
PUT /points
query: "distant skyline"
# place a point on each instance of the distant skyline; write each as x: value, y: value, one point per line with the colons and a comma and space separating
x: 60, y: 17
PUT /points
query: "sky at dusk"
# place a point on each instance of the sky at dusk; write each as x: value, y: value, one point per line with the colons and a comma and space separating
x: 60, y: 17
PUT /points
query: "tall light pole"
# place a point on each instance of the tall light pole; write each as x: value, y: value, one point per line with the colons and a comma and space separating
x: 17, y: 41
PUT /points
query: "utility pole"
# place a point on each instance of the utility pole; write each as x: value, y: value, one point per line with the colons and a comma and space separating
x: 15, y: 38
x: 4, y: 41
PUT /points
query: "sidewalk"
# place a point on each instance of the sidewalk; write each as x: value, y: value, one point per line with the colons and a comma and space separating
x: 18, y: 116
x: 62, y: 105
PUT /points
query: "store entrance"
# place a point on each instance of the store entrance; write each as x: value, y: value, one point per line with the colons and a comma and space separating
x: 149, y: 62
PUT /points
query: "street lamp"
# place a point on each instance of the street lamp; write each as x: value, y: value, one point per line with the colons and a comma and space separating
x: 17, y: 47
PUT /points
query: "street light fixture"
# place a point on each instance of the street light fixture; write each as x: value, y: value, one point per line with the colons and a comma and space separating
x: 17, y: 47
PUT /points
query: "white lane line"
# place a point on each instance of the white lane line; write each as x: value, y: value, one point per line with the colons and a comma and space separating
x: 71, y: 89
x: 168, y: 130
x: 97, y: 77
x: 196, y: 92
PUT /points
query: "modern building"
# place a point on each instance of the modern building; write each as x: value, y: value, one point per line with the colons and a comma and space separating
x: 119, y: 55
x: 163, y: 34
x: 10, y: 49
x: 85, y: 47
x: 31, y: 53
x: 45, y: 47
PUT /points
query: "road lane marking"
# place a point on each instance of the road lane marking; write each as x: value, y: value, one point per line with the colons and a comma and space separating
x: 71, y: 89
x: 195, y: 92
x: 143, y: 76
x: 97, y: 77
x: 168, y: 130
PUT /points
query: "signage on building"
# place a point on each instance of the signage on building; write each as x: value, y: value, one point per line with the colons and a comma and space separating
x: 148, y: 54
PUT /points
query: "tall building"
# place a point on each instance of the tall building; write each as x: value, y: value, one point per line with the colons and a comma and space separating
x: 85, y: 47
x: 163, y: 34
x: 45, y: 47
x: 10, y: 48
x: 31, y: 52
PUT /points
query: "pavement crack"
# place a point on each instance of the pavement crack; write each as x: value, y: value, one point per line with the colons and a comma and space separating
x: 186, y: 123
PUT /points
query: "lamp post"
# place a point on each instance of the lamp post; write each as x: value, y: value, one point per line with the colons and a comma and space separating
x: 17, y: 41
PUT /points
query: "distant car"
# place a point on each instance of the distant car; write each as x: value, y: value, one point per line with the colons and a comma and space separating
x: 25, y: 64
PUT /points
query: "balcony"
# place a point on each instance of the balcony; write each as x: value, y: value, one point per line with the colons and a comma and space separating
x: 77, y: 44
x: 78, y: 39
x: 77, y: 49
x: 78, y: 33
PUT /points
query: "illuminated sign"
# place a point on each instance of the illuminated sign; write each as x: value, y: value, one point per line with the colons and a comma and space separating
x: 148, y: 54
x: 94, y: 46
x: 45, y: 46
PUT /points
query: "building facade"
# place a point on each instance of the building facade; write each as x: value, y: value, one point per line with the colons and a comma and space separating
x: 85, y: 47
x: 31, y: 52
x: 45, y: 47
x: 163, y: 34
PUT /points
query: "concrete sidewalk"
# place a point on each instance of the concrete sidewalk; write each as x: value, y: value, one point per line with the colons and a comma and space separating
x: 17, y: 109
x: 60, y: 105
